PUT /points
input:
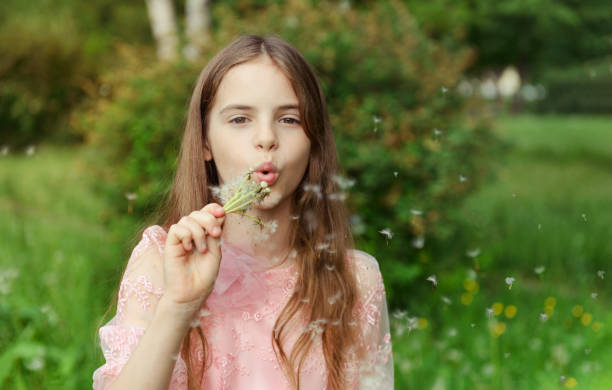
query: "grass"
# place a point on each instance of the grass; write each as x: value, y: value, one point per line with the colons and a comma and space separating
x: 62, y: 254
x: 549, y: 207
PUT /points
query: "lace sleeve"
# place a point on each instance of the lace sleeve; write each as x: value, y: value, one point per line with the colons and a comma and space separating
x: 376, y: 368
x: 139, y: 291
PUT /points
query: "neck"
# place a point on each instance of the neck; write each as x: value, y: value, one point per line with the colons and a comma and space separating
x: 270, y: 244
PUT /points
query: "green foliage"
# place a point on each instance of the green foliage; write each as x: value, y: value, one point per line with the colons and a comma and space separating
x: 387, y: 88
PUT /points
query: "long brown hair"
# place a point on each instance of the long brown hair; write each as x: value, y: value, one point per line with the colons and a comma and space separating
x: 322, y: 215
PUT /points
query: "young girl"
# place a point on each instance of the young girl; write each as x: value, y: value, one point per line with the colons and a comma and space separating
x: 209, y: 300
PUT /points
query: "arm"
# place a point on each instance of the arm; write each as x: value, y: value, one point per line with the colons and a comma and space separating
x: 376, y: 368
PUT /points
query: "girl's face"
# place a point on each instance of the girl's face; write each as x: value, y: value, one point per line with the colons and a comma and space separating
x: 254, y: 120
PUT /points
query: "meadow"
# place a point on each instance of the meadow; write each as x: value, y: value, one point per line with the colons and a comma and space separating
x: 529, y: 309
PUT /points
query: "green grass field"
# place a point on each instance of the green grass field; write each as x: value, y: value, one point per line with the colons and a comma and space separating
x: 60, y: 261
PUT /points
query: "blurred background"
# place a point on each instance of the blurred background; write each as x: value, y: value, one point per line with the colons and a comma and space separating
x: 478, y: 134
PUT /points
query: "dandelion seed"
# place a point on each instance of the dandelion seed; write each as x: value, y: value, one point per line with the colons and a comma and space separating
x: 35, y: 364
x: 341, y: 196
x: 489, y: 312
x: 343, y: 182
x: 387, y: 233
x: 336, y: 323
x: 376, y: 121
x: 594, y: 295
x: 443, y: 89
x: 509, y: 281
x: 305, y: 300
x: 30, y: 150
x: 5, y: 150
x: 601, y: 274
x: 295, y: 217
x: 293, y: 254
x: 473, y: 325
x: 539, y: 270
x: 204, y: 313
x: 562, y: 379
x: 583, y: 217
x: 507, y: 355
x: 543, y: 317
x: 473, y: 252
x: 195, y: 323
x: 416, y: 212
x: 330, y: 267
x: 352, y: 323
x: 462, y: 178
x: 446, y: 300
x: 433, y: 280
x: 399, y: 314
x: 174, y: 357
x: 395, y: 173
x: 437, y: 131
x: 131, y: 196
x: 334, y: 298
x: 322, y: 246
x: 513, y: 195
x: 314, y: 188
x: 418, y: 242
x: 452, y: 332
x: 539, y: 226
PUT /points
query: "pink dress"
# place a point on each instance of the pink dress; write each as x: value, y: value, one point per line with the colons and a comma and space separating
x: 237, y: 320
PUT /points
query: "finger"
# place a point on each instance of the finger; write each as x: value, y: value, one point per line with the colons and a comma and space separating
x: 177, y: 236
x: 198, y: 232
x: 211, y: 224
x: 215, y: 209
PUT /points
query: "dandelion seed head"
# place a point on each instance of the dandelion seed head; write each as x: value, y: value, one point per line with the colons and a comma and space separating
x: 601, y: 274
x: 539, y: 270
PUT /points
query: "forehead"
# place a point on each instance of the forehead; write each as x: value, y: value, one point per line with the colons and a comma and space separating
x: 258, y: 82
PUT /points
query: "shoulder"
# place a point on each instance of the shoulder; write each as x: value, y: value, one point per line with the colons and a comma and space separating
x: 366, y: 269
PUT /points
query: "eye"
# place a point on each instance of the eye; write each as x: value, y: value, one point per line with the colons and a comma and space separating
x: 294, y: 121
x: 238, y: 117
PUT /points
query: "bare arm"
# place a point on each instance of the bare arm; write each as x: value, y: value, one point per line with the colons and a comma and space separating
x: 150, y: 365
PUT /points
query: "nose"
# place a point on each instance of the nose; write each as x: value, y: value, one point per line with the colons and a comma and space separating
x: 265, y: 137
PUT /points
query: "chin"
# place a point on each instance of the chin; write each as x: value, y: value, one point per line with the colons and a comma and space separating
x: 269, y: 202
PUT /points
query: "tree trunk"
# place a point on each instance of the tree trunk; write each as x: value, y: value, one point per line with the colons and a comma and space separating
x: 163, y: 24
x: 197, y: 15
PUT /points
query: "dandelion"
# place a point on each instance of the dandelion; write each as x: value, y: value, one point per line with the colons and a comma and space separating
x: 240, y: 194
x: 433, y: 280
x: 509, y: 281
x: 539, y: 270
x: 473, y: 252
x: 462, y: 178
x: 601, y: 274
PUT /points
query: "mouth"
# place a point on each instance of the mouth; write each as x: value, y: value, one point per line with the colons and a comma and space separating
x: 266, y: 172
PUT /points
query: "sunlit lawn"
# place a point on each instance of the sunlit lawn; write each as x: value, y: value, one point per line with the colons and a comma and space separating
x: 551, y: 209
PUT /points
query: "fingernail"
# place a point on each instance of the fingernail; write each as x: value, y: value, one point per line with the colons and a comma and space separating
x: 216, y: 230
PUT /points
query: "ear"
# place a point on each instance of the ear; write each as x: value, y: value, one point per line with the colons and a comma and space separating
x: 207, y: 152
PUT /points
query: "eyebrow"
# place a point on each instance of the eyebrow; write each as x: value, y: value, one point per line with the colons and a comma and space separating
x: 249, y: 108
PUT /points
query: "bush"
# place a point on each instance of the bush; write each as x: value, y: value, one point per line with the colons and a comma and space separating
x: 414, y: 146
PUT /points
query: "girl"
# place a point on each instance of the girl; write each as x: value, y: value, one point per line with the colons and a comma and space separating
x: 289, y: 306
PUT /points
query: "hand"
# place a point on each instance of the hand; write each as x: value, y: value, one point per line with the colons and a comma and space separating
x: 190, y: 271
